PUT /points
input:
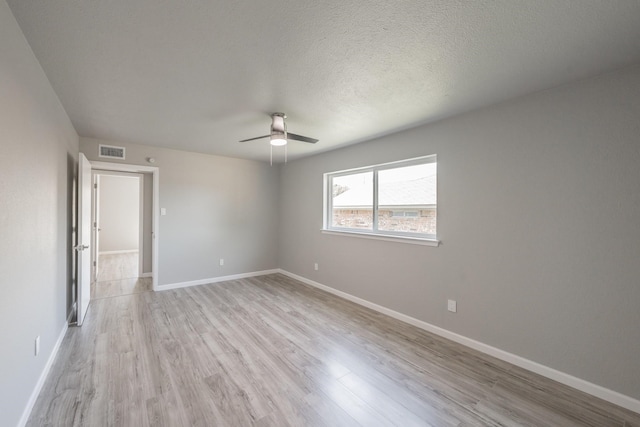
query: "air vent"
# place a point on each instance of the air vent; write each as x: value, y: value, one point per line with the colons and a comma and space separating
x: 111, y: 152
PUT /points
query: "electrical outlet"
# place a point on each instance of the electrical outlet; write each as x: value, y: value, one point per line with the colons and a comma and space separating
x: 37, y: 346
x: 315, y: 266
x: 452, y: 306
x: 221, y: 262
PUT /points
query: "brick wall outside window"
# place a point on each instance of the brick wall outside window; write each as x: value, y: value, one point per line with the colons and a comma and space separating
x: 424, y: 223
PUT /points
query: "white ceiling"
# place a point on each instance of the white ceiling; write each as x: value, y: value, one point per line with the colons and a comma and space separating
x: 200, y: 75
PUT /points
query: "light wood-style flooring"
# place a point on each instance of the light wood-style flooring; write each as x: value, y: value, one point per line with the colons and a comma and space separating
x: 270, y: 351
x: 116, y: 266
x: 118, y: 275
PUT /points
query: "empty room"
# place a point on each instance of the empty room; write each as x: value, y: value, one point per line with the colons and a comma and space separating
x: 341, y: 213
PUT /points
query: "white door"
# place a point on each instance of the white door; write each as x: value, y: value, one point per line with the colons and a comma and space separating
x: 84, y: 237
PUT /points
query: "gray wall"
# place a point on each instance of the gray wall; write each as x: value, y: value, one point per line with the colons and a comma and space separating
x: 37, y: 169
x: 119, y: 213
x: 217, y: 207
x: 539, y: 203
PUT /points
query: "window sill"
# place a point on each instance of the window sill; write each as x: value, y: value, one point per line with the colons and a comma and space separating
x: 399, y: 239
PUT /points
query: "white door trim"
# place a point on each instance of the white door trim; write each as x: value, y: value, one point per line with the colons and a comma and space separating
x: 141, y: 225
x: 95, y: 220
x: 155, y: 171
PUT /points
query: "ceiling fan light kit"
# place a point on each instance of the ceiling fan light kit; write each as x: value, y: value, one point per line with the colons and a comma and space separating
x: 278, y: 141
x: 278, y: 137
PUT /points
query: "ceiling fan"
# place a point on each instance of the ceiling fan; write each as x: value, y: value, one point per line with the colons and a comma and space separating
x: 279, y: 135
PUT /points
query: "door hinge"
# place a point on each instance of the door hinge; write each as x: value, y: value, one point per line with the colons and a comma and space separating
x: 95, y: 186
x: 94, y: 263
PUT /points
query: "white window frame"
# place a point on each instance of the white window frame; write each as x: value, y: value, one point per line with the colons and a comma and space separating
x: 397, y: 236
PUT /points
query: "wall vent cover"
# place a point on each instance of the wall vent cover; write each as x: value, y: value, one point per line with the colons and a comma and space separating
x: 111, y: 152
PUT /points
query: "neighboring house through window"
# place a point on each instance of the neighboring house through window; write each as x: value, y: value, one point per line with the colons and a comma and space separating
x: 395, y: 199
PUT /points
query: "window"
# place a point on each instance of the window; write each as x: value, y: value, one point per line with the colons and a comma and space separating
x: 394, y: 199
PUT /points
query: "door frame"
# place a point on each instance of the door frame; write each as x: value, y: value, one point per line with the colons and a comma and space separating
x: 95, y: 218
x: 155, y: 202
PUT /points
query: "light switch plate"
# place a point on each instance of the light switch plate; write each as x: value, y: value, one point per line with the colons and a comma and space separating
x: 452, y: 306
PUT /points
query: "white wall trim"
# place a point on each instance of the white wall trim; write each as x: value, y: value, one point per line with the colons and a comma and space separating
x: 43, y: 376
x: 215, y: 279
x: 149, y: 274
x: 388, y: 238
x: 126, y: 251
x: 564, y: 378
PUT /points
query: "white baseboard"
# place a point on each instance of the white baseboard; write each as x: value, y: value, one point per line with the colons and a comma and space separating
x: 43, y: 376
x: 146, y: 275
x: 215, y: 280
x: 126, y: 251
x: 564, y: 378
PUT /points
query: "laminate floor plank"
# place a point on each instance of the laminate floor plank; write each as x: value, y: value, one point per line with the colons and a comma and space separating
x: 116, y: 266
x: 381, y: 401
x: 114, y: 288
x: 118, y: 275
x: 271, y: 351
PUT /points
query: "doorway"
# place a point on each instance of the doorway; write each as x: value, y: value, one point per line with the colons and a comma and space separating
x: 121, y: 265
x: 137, y: 271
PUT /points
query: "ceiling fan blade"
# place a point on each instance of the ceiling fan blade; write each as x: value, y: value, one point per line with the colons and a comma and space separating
x: 257, y: 137
x: 301, y: 138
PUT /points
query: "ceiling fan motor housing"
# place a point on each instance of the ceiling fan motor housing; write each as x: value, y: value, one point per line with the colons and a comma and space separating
x: 278, y: 127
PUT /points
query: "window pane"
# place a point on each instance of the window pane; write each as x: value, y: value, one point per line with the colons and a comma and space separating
x: 352, y: 201
x: 407, y: 199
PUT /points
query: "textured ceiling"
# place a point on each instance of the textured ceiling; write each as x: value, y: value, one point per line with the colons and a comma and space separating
x: 200, y: 75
